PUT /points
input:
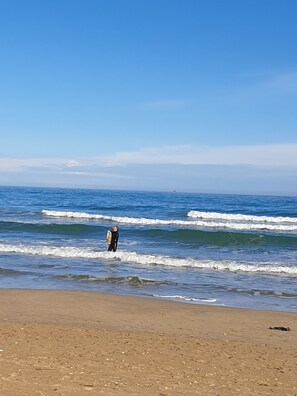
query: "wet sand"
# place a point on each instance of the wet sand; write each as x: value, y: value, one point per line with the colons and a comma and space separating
x: 80, y: 343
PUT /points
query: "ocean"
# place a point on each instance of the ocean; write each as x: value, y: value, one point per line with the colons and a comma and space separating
x: 224, y: 250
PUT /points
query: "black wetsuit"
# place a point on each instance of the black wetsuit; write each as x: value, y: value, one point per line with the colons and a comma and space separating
x: 114, y: 241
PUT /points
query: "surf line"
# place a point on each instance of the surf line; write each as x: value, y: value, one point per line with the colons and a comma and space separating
x: 145, y: 259
x: 187, y: 223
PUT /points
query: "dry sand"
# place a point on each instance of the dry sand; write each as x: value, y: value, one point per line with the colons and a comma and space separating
x: 77, y: 343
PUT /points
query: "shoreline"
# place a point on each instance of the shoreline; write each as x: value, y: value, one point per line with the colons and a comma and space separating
x: 77, y: 343
x: 36, y: 299
x: 149, y: 297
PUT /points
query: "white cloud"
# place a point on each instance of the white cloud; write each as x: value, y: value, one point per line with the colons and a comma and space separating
x: 23, y: 164
x: 57, y: 166
x: 253, y: 155
x: 269, y: 169
x: 94, y: 173
x: 278, y: 155
x: 72, y: 163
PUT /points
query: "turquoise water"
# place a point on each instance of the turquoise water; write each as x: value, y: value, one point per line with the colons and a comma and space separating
x: 229, y: 250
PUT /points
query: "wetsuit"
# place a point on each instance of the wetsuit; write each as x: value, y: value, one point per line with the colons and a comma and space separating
x: 114, y: 241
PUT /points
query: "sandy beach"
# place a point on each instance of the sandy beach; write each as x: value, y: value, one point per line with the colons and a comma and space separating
x: 81, y: 343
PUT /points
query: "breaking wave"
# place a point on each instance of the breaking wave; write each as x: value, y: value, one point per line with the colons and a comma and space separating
x: 273, y: 268
x: 241, y: 217
x: 206, y: 222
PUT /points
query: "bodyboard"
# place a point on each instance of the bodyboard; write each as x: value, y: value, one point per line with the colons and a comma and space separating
x: 108, y: 237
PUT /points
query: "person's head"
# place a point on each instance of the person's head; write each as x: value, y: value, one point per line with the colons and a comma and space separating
x: 115, y: 228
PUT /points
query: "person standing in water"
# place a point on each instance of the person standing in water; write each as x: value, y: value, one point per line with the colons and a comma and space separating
x: 113, y: 243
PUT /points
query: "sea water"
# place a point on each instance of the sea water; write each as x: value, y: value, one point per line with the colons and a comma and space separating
x: 228, y: 250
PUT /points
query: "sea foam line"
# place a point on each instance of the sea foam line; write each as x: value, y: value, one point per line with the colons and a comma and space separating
x: 240, y: 217
x: 187, y: 223
x: 144, y: 259
x: 186, y: 298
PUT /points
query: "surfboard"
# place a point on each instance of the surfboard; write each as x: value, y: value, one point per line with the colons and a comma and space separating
x: 108, y: 237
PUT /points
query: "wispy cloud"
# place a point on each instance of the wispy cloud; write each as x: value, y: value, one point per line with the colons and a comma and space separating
x: 58, y: 166
x: 277, y: 155
x: 254, y: 155
x: 271, y: 84
x: 72, y: 163
x: 251, y: 169
x: 23, y: 164
x: 281, y: 83
x: 93, y: 173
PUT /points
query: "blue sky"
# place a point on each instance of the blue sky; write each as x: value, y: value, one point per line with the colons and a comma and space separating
x: 197, y: 96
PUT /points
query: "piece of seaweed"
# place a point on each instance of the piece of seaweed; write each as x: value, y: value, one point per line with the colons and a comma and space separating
x: 282, y: 328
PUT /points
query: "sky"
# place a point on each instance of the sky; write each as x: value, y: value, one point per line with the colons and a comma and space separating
x: 161, y: 95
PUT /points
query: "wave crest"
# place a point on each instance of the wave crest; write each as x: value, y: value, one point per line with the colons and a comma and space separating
x: 240, y: 217
x: 273, y: 268
x: 204, y: 223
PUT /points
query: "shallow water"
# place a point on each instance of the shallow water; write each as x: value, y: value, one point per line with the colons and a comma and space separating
x: 227, y: 250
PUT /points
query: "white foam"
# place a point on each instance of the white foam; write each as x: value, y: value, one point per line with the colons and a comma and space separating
x: 274, y: 268
x: 188, y: 223
x: 186, y: 298
x: 240, y: 217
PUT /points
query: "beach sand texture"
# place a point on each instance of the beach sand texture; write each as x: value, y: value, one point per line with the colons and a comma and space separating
x: 80, y: 343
